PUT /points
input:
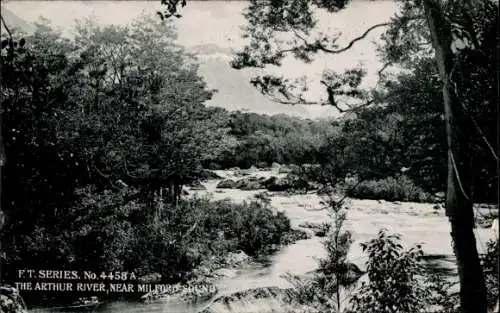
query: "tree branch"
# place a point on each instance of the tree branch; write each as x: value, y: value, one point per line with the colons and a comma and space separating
x: 350, y: 44
x: 317, y: 46
x: 381, y: 70
x: 6, y: 27
x: 299, y: 100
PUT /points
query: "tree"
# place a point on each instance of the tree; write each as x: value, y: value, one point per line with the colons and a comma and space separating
x: 336, y: 277
x: 445, y: 27
x: 97, y: 113
x: 458, y: 204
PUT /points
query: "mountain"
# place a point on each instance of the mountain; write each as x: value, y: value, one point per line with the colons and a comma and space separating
x: 234, y: 91
x: 15, y: 23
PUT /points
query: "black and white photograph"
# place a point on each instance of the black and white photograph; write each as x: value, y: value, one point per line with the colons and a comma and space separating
x: 249, y: 156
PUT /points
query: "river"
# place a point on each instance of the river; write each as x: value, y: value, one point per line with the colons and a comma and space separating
x: 416, y: 222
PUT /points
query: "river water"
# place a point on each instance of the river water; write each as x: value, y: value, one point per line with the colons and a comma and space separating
x: 416, y: 222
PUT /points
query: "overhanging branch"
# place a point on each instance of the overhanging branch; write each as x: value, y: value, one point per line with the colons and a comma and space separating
x: 318, y: 46
x: 352, y: 42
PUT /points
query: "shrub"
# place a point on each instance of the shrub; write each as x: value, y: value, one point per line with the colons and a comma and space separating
x: 489, y: 262
x: 183, y: 236
x: 325, y: 291
x: 397, y: 282
x: 400, y: 188
x: 251, y: 227
x: 438, y: 295
x: 392, y: 272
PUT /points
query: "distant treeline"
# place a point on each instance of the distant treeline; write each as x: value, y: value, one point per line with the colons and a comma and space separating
x: 400, y: 135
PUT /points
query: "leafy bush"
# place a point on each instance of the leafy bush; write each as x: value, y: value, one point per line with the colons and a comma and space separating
x: 326, y: 290
x: 252, y: 227
x: 400, y: 188
x: 392, y: 272
x: 439, y: 299
x: 198, y: 228
x: 489, y: 262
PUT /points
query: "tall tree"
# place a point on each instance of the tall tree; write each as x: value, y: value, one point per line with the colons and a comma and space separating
x: 459, y: 206
x: 98, y: 111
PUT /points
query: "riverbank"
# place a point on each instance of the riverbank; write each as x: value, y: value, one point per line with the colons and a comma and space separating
x: 418, y: 223
x: 256, y: 284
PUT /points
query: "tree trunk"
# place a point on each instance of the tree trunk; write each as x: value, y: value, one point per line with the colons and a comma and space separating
x: 459, y: 206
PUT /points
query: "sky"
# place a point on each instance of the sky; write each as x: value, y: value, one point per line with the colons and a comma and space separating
x: 214, y: 28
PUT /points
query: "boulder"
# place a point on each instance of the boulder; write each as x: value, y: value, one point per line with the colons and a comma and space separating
x: 284, y: 169
x: 275, y: 166
x: 320, y: 233
x: 295, y: 168
x: 277, y: 184
x: 262, y: 165
x: 310, y: 225
x: 236, y: 258
x: 249, y: 183
x: 269, y: 181
x: 283, y: 184
x: 293, y: 235
x: 11, y: 301
x: 197, y: 186
x: 319, y: 229
x: 252, y: 185
x: 225, y: 272
x: 209, y: 175
x: 226, y: 184
x: 240, y: 173
x: 327, y: 190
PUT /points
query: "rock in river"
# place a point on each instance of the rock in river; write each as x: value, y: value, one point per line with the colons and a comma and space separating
x: 227, y: 184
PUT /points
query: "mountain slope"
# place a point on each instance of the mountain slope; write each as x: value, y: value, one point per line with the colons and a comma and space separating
x: 14, y: 22
x: 235, y: 91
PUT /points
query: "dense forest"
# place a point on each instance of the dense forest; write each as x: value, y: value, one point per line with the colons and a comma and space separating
x: 102, y: 132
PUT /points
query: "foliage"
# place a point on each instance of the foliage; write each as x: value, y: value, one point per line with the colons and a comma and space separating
x: 267, y: 139
x: 335, y: 277
x: 279, y: 29
x: 11, y: 301
x: 407, y: 43
x: 438, y: 297
x: 392, y: 272
x: 87, y: 129
x: 400, y: 188
x: 489, y: 262
x: 251, y: 226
